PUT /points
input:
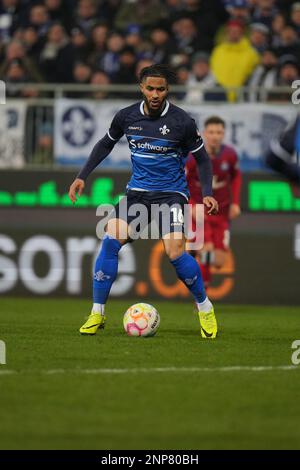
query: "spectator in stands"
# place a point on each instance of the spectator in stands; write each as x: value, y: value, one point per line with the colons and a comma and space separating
x: 182, y: 76
x: 208, y: 16
x: 126, y: 72
x: 57, y: 56
x: 233, y: 62
x: 289, y: 42
x: 161, y: 45
x: 201, y: 76
x: 100, y: 78
x: 9, y: 10
x: 140, y: 65
x: 58, y: 12
x: 80, y: 43
x: 263, y: 77
x: 288, y: 72
x: 278, y: 24
x: 86, y: 15
x: 14, y: 51
x: 33, y: 45
x: 238, y: 10
x: 259, y: 36
x: 107, y: 11
x: 186, y: 36
x: 39, y: 19
x: 17, y: 73
x: 295, y: 17
x: 134, y: 39
x: 265, y: 12
x: 82, y: 73
x: 99, y: 37
x: 145, y: 13
x: 110, y: 60
x: 44, y: 150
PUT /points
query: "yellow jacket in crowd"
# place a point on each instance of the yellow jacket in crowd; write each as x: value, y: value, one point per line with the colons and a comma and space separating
x: 233, y: 63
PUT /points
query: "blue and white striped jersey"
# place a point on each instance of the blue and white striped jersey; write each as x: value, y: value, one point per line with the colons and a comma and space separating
x: 158, y: 146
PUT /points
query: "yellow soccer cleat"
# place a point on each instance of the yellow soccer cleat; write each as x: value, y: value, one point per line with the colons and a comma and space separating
x: 208, y: 324
x: 94, y: 321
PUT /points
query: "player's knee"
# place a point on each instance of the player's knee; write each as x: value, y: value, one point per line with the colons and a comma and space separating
x: 174, y: 252
x: 118, y: 229
x: 220, y: 259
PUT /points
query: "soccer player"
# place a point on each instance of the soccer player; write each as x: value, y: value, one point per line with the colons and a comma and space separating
x: 226, y: 189
x: 284, y: 152
x: 159, y: 135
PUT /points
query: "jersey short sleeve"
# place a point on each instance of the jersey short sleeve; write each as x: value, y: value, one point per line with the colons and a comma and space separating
x: 116, y: 130
x: 192, y: 139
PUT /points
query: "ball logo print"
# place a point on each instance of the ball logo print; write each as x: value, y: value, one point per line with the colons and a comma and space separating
x: 2, y: 353
x: 78, y: 126
x: 141, y: 320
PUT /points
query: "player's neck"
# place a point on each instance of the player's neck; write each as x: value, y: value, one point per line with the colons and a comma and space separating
x: 157, y: 113
x: 212, y: 151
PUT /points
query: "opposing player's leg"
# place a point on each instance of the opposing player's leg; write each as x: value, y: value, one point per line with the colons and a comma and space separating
x: 215, y: 250
x: 105, y: 273
x: 188, y: 271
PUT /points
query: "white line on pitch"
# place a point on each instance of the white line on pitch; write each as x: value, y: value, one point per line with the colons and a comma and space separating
x: 151, y: 370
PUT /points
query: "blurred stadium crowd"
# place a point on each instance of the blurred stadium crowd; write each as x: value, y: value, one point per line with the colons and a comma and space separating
x: 223, y: 43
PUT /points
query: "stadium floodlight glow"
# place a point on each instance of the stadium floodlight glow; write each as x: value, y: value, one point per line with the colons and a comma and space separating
x: 272, y: 196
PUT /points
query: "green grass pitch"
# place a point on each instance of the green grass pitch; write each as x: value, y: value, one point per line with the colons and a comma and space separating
x: 60, y: 390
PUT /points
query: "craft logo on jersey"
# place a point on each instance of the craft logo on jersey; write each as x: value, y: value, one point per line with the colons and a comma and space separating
x: 78, y: 126
x: 224, y: 166
x: 164, y: 130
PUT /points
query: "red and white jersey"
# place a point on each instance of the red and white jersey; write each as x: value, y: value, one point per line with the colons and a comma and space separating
x: 226, y: 179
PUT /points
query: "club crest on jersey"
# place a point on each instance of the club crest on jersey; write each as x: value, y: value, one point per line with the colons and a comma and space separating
x: 164, y: 130
x: 224, y: 166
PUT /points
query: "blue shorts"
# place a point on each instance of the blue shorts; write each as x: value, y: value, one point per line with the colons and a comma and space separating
x: 166, y: 209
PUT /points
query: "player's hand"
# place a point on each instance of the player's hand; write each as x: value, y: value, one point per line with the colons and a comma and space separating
x: 234, y: 211
x: 211, y: 204
x: 76, y: 189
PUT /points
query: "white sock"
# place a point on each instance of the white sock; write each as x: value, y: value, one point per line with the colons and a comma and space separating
x: 205, y: 306
x: 207, y: 257
x: 98, y: 308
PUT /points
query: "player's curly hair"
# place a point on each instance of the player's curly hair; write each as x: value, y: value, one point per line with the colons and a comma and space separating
x: 158, y: 70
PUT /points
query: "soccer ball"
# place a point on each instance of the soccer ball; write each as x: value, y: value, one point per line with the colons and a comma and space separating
x: 141, y: 320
